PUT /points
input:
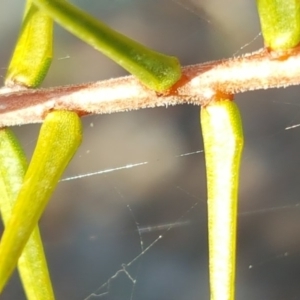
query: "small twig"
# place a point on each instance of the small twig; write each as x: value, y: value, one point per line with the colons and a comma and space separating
x: 199, y: 85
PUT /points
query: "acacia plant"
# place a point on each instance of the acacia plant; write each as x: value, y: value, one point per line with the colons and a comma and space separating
x: 157, y: 80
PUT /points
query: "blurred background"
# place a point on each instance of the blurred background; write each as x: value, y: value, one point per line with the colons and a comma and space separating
x: 96, y: 228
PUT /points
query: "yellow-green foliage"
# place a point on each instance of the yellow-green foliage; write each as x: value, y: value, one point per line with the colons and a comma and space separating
x: 280, y: 23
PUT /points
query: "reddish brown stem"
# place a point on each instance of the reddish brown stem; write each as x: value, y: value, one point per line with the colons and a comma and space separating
x: 199, y: 85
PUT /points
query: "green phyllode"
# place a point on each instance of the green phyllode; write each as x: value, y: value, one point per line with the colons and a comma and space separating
x: 223, y: 143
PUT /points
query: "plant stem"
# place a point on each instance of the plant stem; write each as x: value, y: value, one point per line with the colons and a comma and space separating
x: 199, y: 86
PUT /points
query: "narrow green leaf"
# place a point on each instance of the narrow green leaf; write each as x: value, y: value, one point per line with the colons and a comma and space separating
x: 59, y: 138
x: 280, y: 23
x: 29, y: 64
x: 223, y: 143
x: 33, y: 52
x: 32, y: 263
x: 155, y: 70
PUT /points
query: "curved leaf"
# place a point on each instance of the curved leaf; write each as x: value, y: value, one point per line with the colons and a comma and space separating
x: 33, y: 53
x: 59, y: 138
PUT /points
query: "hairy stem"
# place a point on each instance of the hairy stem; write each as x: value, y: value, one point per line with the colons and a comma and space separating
x: 199, y: 85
